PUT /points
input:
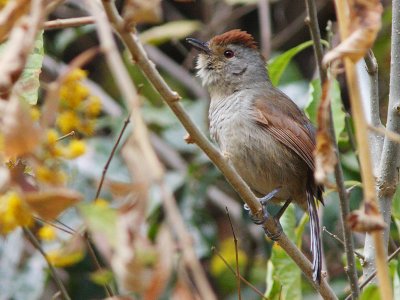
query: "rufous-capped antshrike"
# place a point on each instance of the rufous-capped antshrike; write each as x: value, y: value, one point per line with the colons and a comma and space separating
x: 266, y: 137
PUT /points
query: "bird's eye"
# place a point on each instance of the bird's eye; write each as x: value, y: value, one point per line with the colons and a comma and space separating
x: 229, y: 54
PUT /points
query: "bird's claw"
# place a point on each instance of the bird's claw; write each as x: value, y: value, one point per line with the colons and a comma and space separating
x: 274, y: 236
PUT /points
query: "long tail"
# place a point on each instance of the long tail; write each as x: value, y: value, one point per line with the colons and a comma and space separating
x: 316, y: 245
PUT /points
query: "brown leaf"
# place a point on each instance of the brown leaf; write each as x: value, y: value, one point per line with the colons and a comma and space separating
x: 325, y: 156
x: 21, y: 178
x: 365, y: 16
x: 142, y: 11
x: 21, y: 134
x: 366, y: 220
x: 162, y: 270
x: 49, y: 204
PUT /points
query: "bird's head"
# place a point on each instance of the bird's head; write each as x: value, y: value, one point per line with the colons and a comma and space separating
x: 229, y: 61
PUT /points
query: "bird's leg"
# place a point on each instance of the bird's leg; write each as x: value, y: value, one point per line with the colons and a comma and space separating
x: 263, y: 201
x: 283, y: 209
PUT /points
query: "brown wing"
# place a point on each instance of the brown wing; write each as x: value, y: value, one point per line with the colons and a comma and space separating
x: 287, y: 123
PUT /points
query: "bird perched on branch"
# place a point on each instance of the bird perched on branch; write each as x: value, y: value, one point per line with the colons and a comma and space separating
x: 266, y: 137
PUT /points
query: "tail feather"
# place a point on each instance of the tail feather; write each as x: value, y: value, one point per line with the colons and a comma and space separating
x: 316, y: 245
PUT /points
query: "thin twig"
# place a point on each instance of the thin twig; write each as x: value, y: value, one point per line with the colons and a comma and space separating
x: 110, y: 157
x: 264, y: 16
x: 342, y: 193
x: 236, y: 254
x: 334, y: 236
x: 52, y: 224
x: 35, y: 243
x: 213, y: 249
x: 378, y: 248
x: 171, y: 98
x: 93, y: 255
x: 72, y: 133
x: 65, y: 23
x: 393, y: 136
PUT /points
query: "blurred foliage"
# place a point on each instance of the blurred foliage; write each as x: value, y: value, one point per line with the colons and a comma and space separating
x: 76, y: 163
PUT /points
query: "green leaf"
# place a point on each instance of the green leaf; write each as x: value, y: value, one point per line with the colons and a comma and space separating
x: 396, y: 204
x: 338, y: 113
x: 396, y: 282
x: 278, y: 64
x: 282, y: 271
x: 28, y: 83
x: 101, y: 220
x: 172, y: 30
x: 29, y: 80
x: 370, y: 292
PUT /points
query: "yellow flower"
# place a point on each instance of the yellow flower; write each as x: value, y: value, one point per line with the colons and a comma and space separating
x: 47, y: 233
x: 101, y: 202
x: 76, y: 75
x: 47, y: 175
x: 14, y: 212
x: 73, y: 94
x: 87, y: 127
x: 75, y: 148
x: 61, y: 258
x: 35, y: 112
x: 3, y: 3
x: 68, y: 121
x: 93, y: 106
x: 52, y: 136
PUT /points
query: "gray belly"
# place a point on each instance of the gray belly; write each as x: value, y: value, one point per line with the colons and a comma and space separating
x: 263, y: 162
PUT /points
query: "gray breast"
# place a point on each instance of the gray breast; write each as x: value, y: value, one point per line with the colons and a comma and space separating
x: 261, y: 161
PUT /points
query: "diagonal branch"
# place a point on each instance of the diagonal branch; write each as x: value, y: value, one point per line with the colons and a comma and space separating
x: 171, y: 98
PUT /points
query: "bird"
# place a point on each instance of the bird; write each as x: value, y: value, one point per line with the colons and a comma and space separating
x: 265, y: 136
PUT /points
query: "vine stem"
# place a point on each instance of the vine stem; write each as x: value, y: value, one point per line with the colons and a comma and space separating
x: 342, y: 12
x: 338, y: 171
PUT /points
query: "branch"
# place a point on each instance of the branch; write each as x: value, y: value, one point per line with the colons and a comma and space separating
x: 342, y: 193
x: 65, y: 23
x: 171, y: 98
x: 373, y: 274
x: 365, y: 158
x: 387, y: 176
x: 35, y: 243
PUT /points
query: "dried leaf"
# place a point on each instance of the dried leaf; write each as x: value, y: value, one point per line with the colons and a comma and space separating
x: 183, y: 292
x: 4, y: 179
x: 21, y: 134
x: 14, y: 56
x: 325, y: 156
x: 162, y: 270
x: 140, y: 265
x: 142, y: 11
x: 366, y: 220
x: 49, y: 204
x: 10, y: 14
x: 365, y: 25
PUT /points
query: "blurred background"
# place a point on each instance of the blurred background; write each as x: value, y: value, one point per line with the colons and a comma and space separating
x: 201, y: 192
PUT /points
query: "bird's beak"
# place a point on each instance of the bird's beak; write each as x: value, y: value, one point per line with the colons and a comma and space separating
x: 199, y: 45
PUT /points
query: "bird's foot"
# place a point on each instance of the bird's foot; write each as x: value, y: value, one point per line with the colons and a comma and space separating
x: 274, y: 236
x: 263, y: 201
